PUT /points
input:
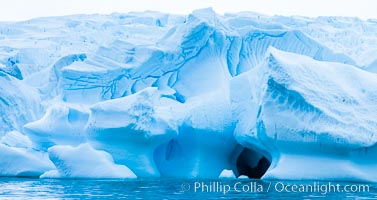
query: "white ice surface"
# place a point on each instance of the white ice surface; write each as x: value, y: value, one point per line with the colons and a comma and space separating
x: 84, y: 162
x: 181, y: 96
x: 227, y: 174
x: 295, y: 108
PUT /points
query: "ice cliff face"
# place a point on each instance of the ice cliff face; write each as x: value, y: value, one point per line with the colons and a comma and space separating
x: 151, y: 94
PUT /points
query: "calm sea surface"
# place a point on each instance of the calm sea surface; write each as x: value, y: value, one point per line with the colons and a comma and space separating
x: 26, y: 188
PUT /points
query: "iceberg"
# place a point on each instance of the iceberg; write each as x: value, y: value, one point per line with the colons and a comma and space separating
x: 61, y: 124
x: 16, y: 139
x: 84, y: 162
x: 227, y: 174
x: 131, y: 128
x: 19, y: 104
x: 23, y: 162
x: 191, y: 154
x: 160, y: 95
x: 18, y: 158
x: 308, y: 122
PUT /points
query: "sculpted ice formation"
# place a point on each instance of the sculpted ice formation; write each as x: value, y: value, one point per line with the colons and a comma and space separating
x: 62, y: 124
x: 19, y: 104
x: 159, y: 95
x: 19, y: 159
x: 298, y: 109
x: 16, y: 139
x: 131, y: 128
x: 205, y: 144
x: 23, y: 162
x: 84, y: 162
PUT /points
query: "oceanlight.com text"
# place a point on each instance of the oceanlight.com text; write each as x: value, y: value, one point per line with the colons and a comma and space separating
x: 279, y: 186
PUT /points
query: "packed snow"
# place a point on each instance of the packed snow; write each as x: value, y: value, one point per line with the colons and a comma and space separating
x: 199, y: 96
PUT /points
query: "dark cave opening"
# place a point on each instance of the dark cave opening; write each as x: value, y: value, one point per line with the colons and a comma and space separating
x: 252, y: 164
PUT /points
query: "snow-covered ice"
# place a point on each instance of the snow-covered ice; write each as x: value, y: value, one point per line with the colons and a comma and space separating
x: 159, y: 95
x: 84, y: 162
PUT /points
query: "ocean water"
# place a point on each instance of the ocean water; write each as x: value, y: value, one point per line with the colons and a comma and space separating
x: 26, y: 188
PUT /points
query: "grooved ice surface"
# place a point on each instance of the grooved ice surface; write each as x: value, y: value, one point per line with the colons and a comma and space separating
x: 152, y: 94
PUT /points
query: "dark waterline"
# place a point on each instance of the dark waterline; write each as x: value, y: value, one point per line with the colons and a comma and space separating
x: 26, y: 188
